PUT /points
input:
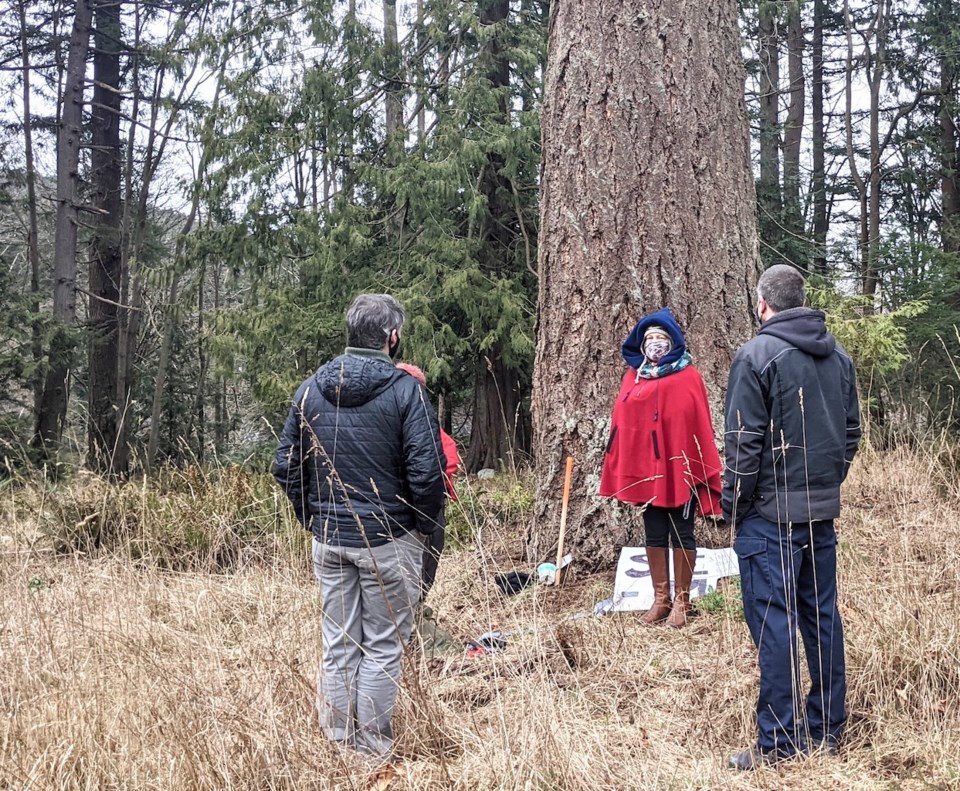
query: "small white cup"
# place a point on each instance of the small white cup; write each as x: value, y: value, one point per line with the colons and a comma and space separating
x: 547, y: 573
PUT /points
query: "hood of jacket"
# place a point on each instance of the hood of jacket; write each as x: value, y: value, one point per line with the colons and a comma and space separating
x: 632, y: 349
x: 804, y: 328
x: 351, y: 380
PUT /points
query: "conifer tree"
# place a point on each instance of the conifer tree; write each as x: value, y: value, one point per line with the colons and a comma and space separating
x: 647, y: 201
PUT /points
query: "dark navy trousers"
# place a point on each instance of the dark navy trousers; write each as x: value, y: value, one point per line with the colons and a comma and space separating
x: 788, y: 576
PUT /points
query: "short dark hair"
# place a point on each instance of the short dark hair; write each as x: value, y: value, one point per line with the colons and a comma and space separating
x: 782, y: 287
x: 371, y: 318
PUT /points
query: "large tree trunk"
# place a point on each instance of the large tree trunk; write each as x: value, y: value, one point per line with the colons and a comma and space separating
x: 498, y: 429
x: 105, y: 259
x: 53, y: 404
x: 647, y: 200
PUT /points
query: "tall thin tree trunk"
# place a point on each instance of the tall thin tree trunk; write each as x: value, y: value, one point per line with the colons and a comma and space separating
x: 949, y: 191
x: 497, y: 433
x: 52, y: 415
x: 220, y: 427
x: 33, y: 234
x: 391, y: 57
x: 130, y: 235
x: 170, y: 314
x: 201, y: 398
x: 818, y: 142
x: 871, y: 275
x: 135, y: 220
x: 421, y: 71
x: 859, y: 183
x: 105, y: 259
x: 768, y: 188
x: 647, y: 199
x: 793, y: 135
x: 171, y: 308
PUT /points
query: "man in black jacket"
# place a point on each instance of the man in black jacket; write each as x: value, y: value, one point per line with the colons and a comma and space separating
x: 792, y: 429
x: 361, y: 461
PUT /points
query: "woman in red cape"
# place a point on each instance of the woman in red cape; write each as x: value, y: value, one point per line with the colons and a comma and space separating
x: 662, y: 455
x: 431, y: 556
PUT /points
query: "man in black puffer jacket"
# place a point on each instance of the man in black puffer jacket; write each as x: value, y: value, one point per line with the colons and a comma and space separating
x: 361, y: 461
x: 792, y: 429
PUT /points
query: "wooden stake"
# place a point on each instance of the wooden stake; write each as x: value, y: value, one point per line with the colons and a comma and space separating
x: 563, y: 517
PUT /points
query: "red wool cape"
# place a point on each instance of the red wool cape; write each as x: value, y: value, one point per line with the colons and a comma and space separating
x: 661, y: 447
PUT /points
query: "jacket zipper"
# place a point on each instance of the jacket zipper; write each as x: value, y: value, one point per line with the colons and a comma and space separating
x: 656, y: 419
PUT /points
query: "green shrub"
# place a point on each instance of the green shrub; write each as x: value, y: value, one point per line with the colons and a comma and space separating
x: 724, y: 601
x: 504, y: 501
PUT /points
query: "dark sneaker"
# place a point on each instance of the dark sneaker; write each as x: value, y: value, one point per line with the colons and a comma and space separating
x: 754, y: 758
x: 826, y: 746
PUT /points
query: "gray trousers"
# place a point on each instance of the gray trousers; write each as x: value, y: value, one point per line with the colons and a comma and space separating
x: 368, y: 597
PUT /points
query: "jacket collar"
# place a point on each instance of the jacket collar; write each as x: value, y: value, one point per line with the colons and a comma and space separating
x: 376, y: 354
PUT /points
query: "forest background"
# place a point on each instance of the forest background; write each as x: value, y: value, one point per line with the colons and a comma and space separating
x: 228, y: 175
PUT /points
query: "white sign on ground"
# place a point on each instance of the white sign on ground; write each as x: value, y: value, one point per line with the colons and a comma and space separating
x: 633, y: 588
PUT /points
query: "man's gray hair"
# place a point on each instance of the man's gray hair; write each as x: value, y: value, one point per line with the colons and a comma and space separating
x: 371, y: 318
x: 782, y: 287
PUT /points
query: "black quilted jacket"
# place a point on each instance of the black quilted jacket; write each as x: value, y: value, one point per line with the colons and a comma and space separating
x: 792, y: 422
x: 360, y: 455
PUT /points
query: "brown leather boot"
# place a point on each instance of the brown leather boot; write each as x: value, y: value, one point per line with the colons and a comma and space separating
x: 660, y: 573
x: 683, y: 562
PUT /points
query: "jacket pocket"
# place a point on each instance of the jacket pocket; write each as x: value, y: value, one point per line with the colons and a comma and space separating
x: 610, y: 441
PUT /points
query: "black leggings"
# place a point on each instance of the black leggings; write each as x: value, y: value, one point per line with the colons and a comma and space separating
x: 665, y: 525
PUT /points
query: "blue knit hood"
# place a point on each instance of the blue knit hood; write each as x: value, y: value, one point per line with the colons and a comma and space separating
x: 632, y: 348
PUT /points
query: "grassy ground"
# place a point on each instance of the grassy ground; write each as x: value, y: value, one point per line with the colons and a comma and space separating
x: 130, y: 664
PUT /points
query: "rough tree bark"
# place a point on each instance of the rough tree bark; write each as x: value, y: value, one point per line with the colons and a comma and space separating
x: 647, y: 200
x: 105, y: 259
x: 53, y: 403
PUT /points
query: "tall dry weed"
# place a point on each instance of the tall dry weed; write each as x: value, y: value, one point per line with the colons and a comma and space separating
x: 152, y: 675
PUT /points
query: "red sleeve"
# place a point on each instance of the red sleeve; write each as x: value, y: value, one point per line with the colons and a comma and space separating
x: 453, y: 461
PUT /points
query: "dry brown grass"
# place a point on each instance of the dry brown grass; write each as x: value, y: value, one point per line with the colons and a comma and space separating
x: 115, y: 674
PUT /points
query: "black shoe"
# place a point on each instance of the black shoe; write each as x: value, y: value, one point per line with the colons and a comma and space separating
x: 754, y: 758
x: 825, y: 746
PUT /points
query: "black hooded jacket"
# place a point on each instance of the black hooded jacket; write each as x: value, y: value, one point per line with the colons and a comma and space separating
x: 792, y: 421
x: 360, y: 455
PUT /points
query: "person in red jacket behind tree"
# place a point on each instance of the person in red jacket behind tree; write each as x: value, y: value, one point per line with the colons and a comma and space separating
x: 661, y: 454
x: 431, y: 556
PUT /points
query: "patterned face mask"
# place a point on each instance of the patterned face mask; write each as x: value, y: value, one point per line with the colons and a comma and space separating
x: 656, y: 350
